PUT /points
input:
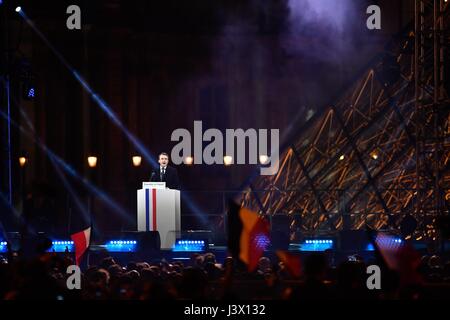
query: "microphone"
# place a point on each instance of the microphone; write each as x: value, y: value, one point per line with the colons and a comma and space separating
x: 153, y: 174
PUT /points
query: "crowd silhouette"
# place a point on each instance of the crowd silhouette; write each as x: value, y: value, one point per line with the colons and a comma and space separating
x: 204, y: 278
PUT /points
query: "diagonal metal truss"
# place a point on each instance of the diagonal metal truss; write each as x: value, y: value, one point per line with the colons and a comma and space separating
x: 380, y: 152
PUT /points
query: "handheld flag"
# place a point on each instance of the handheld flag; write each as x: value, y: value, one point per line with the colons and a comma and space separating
x: 292, y: 263
x: 248, y: 234
x: 81, y: 241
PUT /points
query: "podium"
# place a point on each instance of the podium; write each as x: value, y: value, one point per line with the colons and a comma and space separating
x: 158, y: 209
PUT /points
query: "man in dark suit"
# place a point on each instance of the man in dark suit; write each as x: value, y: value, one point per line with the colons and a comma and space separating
x: 165, y: 173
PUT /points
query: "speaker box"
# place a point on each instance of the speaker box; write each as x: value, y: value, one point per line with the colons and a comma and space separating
x: 280, y: 232
x: 146, y: 240
x: 149, y: 241
x: 353, y: 240
x: 34, y: 244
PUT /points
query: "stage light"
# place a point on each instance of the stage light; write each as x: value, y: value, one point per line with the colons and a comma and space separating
x: 262, y: 241
x: 189, y: 245
x: 227, y: 160
x: 30, y: 93
x: 3, y: 247
x: 28, y: 89
x: 22, y: 161
x: 61, y: 246
x: 137, y: 160
x: 341, y: 157
x: 317, y: 245
x: 263, y: 159
x: 374, y: 155
x: 92, y: 161
x: 18, y: 9
x: 388, y: 242
x: 121, y: 246
x: 188, y: 160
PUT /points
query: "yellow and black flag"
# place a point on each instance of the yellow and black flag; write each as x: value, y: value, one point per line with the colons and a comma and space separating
x: 248, y: 234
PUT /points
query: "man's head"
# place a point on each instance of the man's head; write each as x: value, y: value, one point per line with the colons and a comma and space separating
x: 163, y: 159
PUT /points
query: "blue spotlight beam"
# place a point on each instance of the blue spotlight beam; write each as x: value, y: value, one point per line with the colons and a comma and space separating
x: 100, y: 102
x: 6, y: 83
x: 72, y: 172
x: 105, y: 107
x: 8, y: 102
x: 67, y: 185
x: 17, y: 215
x: 92, y: 188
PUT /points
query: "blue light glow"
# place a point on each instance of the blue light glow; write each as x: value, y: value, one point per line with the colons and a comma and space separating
x: 316, y: 245
x: 121, y: 246
x: 30, y: 93
x: 189, y: 246
x: 62, y: 246
x: 3, y: 247
x: 262, y: 241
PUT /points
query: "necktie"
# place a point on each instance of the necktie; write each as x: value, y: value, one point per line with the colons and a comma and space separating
x: 163, y: 172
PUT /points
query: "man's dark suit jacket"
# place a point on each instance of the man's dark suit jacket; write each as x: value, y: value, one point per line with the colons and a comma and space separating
x: 170, y: 177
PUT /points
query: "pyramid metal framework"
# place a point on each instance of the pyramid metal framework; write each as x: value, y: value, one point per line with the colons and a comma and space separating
x: 380, y: 152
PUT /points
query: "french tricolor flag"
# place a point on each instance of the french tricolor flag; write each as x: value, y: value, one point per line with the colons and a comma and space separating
x: 81, y: 241
x: 150, y: 210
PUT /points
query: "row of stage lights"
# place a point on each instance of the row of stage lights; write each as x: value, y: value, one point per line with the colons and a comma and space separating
x: 137, y: 160
x: 227, y: 160
x: 200, y: 245
x: 113, y: 246
x: 56, y: 243
x: 319, y: 241
x: 114, y: 242
x: 121, y: 242
x: 182, y: 242
x: 386, y: 240
x: 189, y: 246
x: 373, y: 155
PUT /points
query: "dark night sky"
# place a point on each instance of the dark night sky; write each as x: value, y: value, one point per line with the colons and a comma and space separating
x: 160, y: 65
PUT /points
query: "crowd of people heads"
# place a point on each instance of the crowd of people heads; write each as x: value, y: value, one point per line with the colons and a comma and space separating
x: 203, y: 277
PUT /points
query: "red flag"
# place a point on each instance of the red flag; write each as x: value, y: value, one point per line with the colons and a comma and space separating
x: 248, y: 235
x: 81, y: 241
x: 293, y: 263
